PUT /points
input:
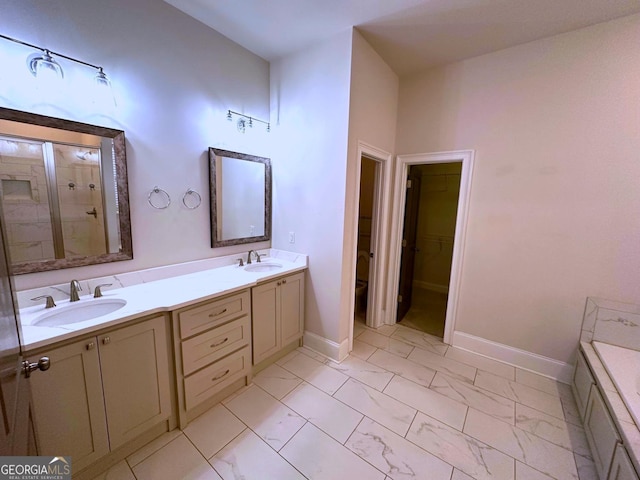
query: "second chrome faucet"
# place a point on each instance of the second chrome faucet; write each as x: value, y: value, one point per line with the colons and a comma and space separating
x: 73, y: 291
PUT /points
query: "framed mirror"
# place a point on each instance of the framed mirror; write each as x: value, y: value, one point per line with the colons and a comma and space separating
x: 64, y: 192
x: 240, y: 188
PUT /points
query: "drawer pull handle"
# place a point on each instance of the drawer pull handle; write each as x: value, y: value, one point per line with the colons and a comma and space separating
x: 216, y: 314
x: 219, y: 343
x: 220, y: 376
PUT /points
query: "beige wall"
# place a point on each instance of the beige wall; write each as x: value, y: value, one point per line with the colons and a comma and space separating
x: 372, y: 119
x: 309, y: 115
x: 553, y: 217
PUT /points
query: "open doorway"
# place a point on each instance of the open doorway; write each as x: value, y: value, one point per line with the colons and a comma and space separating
x: 369, y: 242
x: 431, y: 207
x: 365, y: 249
x: 443, y: 292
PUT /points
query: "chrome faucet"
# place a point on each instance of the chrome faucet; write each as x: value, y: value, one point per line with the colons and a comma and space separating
x: 73, y: 290
x: 48, y: 298
x: 256, y: 254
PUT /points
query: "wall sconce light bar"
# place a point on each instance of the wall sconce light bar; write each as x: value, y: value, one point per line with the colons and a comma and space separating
x: 47, y: 58
x: 246, y: 121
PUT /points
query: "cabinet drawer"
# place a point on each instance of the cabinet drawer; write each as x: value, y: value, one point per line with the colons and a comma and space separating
x: 204, y: 317
x: 206, y: 348
x: 582, y: 381
x: 210, y: 380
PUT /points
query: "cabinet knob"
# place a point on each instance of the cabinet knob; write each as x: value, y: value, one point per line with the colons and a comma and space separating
x: 43, y: 364
x: 91, y: 345
x: 284, y: 281
x: 106, y: 341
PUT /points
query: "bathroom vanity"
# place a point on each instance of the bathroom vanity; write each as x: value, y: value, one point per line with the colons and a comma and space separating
x: 606, y: 386
x: 173, y: 348
x: 102, y: 391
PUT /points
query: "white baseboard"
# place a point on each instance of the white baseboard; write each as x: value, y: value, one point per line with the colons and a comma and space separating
x: 431, y: 286
x: 324, y: 346
x: 560, y: 371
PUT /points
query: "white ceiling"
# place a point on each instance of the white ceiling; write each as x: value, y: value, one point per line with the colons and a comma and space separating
x: 411, y: 35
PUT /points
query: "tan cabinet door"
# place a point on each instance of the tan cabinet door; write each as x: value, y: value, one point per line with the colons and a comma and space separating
x: 582, y: 382
x: 265, y: 329
x: 135, y: 377
x: 68, y: 405
x: 601, y: 432
x: 621, y: 467
x: 292, y: 308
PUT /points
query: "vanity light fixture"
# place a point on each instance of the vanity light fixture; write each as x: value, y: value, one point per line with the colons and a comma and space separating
x: 246, y: 121
x: 101, y: 79
x: 43, y: 66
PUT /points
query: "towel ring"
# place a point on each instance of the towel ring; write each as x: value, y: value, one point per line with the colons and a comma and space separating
x: 195, y: 199
x: 162, y: 202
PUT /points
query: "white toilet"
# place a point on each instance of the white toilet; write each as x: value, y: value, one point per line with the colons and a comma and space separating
x: 361, y: 281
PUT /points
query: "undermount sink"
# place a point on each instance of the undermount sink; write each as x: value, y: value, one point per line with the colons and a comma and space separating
x: 263, y: 267
x: 79, y: 312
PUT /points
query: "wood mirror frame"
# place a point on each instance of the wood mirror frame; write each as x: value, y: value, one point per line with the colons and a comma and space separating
x: 215, y: 185
x: 124, y: 221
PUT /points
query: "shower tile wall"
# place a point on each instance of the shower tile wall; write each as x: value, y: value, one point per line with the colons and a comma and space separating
x: 25, y: 201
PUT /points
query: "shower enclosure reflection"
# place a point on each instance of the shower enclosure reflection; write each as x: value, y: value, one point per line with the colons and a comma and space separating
x: 64, y: 192
x: 53, y: 198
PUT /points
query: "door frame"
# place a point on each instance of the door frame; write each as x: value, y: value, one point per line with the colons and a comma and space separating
x: 466, y: 157
x: 376, y: 314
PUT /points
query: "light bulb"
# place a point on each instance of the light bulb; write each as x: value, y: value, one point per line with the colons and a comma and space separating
x: 103, y: 96
x: 44, y: 67
x: 101, y: 79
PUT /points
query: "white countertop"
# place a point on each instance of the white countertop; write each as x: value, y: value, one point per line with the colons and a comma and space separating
x: 611, y: 393
x: 152, y: 297
x: 623, y: 366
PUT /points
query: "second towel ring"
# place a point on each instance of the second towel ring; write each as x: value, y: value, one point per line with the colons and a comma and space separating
x: 163, y: 200
x: 191, y: 199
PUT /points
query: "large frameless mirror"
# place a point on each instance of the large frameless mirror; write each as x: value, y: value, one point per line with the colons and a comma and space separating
x: 64, y: 192
x: 240, y: 187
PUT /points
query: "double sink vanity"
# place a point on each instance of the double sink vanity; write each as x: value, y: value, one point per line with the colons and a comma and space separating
x: 132, y: 356
x: 149, y: 357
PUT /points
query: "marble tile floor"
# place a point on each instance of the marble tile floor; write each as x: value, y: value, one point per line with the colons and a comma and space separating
x: 428, y: 311
x: 409, y: 407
